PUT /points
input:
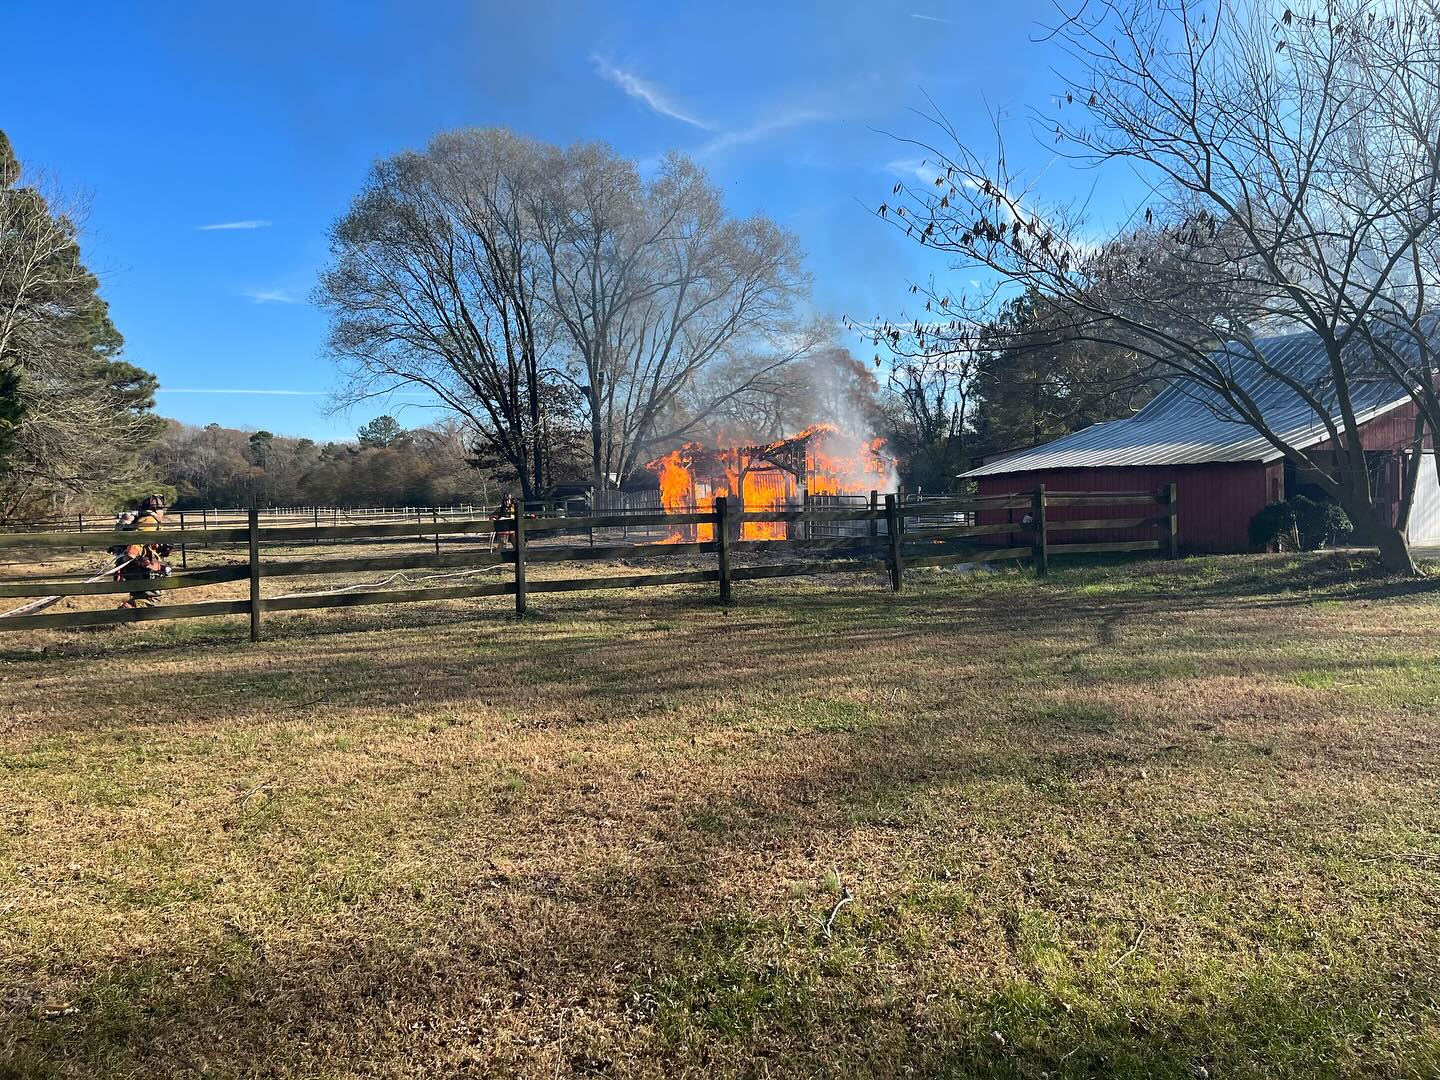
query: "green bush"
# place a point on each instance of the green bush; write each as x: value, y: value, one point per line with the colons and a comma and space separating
x: 1298, y: 524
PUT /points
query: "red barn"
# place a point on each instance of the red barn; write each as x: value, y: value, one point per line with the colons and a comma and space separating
x: 1222, y: 469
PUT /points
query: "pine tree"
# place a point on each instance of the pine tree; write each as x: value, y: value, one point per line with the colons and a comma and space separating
x: 74, y: 417
x: 1039, y: 380
x: 381, y: 432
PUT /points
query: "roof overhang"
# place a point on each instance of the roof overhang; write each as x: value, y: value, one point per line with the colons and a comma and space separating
x: 1154, y: 449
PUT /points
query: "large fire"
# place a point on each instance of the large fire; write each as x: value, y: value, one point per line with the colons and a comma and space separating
x: 821, y: 460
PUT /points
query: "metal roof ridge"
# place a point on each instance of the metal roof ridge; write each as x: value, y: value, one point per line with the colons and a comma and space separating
x: 1192, y: 425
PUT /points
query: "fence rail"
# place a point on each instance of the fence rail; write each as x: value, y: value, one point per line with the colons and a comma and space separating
x: 893, y: 537
x: 204, y: 517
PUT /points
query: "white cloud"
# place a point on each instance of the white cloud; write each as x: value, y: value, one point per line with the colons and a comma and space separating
x: 913, y: 169
x: 271, y: 296
x: 249, y: 223
x: 933, y: 18
x: 648, y: 93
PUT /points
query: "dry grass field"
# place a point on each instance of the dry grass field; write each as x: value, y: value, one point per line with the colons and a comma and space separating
x: 1174, y: 820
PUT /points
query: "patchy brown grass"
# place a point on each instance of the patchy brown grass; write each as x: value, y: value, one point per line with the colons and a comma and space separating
x: 1158, y: 820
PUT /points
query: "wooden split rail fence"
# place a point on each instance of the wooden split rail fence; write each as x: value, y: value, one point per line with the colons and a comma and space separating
x: 900, y: 536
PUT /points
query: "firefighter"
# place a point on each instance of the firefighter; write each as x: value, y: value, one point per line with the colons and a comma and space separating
x: 144, y: 562
x: 505, y: 539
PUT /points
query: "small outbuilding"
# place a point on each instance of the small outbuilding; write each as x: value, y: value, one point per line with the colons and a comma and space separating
x: 1223, y: 470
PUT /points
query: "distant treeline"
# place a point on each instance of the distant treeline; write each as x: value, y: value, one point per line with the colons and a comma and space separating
x: 385, y: 466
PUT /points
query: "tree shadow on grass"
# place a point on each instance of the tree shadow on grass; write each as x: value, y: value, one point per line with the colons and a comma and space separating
x: 673, y: 962
x: 1241, y: 582
x: 640, y: 931
x: 581, y: 664
x: 1269, y: 1024
x: 588, y: 1002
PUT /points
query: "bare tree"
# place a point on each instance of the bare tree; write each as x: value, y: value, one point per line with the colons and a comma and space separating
x: 436, y: 282
x: 653, y: 283
x: 1294, y: 160
x: 508, y: 278
x: 931, y: 371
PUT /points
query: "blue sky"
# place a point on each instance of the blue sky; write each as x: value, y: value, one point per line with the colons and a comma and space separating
x: 217, y: 142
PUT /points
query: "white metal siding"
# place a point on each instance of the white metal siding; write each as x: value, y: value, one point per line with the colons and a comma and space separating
x: 1425, y: 513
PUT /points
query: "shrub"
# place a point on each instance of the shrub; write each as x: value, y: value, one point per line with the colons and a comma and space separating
x: 1297, y: 524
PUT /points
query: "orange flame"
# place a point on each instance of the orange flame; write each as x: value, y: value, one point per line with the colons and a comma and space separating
x: 821, y: 460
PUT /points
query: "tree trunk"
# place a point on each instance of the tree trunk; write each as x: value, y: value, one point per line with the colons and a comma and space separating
x: 1410, y: 481
x: 598, y: 475
x: 1373, y: 528
x: 1372, y: 524
x: 522, y: 473
x: 1395, y: 552
x: 537, y: 452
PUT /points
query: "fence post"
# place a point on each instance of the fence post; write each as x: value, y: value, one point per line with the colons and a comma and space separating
x: 254, y: 573
x: 317, y: 526
x: 519, y: 556
x: 722, y: 534
x: 184, y: 564
x: 80, y: 528
x: 893, y: 525
x: 1173, y: 522
x: 1040, y: 527
x: 435, y: 520
x: 874, y: 506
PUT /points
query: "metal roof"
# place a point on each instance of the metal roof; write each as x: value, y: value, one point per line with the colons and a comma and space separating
x: 1187, y: 424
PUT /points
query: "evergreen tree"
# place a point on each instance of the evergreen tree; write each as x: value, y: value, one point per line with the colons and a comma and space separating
x: 74, y: 417
x: 10, y: 411
x: 1039, y: 379
x: 382, y: 432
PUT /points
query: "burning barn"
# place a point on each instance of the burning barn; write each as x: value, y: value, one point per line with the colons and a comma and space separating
x: 789, y: 473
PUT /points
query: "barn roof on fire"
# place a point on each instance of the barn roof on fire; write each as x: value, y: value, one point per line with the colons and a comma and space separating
x: 1186, y: 424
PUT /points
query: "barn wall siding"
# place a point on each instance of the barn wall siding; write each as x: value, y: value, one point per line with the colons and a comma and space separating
x: 1394, y: 430
x: 1215, y: 502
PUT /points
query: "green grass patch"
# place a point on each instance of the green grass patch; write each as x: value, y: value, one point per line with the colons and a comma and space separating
x: 1133, y: 819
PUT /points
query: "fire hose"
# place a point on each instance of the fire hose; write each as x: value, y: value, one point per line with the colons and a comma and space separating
x: 401, y: 575
x: 45, y: 601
